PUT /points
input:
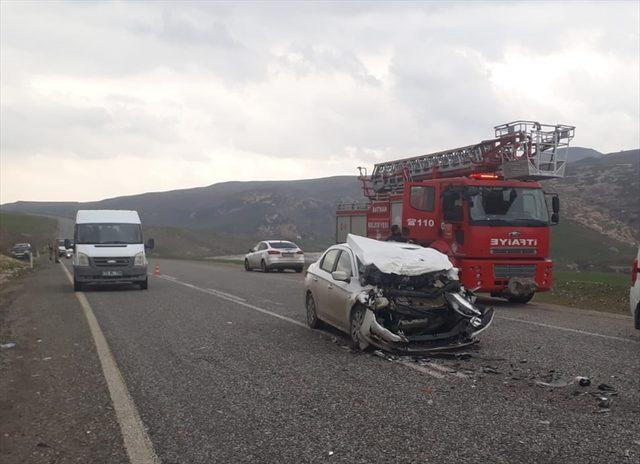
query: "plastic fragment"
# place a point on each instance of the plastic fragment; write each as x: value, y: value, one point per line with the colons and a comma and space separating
x: 605, y: 387
x: 583, y: 381
x: 6, y: 346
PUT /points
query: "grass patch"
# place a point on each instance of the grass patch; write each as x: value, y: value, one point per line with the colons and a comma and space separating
x: 574, y: 244
x: 20, y: 228
x: 599, y: 291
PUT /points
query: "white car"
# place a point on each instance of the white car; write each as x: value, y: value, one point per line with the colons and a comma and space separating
x: 634, y: 292
x: 396, y: 296
x: 274, y: 254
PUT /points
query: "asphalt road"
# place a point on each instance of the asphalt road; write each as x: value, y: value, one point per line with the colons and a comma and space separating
x: 222, y: 369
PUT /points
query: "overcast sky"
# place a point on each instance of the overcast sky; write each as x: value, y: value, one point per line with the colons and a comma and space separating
x: 108, y: 99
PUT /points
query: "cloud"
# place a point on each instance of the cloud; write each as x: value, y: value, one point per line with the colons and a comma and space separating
x: 193, y: 93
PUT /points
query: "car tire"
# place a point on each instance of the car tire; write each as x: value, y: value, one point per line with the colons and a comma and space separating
x: 312, y: 315
x: 144, y: 284
x: 263, y: 266
x: 521, y: 299
x: 77, y: 286
x: 246, y: 265
x: 298, y: 270
x: 355, y: 322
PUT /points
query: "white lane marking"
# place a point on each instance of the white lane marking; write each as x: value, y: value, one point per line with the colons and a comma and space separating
x: 237, y: 300
x: 136, y: 440
x: 419, y: 368
x: 567, y: 329
x: 234, y: 299
x: 446, y: 369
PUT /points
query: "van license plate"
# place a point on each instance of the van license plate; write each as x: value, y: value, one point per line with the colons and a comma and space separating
x: 111, y: 273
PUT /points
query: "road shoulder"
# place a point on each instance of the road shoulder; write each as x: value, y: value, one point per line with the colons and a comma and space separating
x: 54, y: 400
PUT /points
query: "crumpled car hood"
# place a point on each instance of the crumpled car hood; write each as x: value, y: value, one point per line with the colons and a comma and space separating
x: 398, y: 258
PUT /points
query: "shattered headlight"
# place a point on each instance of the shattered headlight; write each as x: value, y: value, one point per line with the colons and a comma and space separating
x: 461, y: 305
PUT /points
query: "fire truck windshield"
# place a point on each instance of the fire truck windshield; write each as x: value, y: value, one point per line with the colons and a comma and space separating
x: 511, y: 206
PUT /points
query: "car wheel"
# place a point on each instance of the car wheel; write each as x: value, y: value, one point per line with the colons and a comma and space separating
x: 355, y: 323
x: 263, y: 266
x: 145, y: 284
x: 520, y: 299
x: 246, y: 265
x: 77, y: 286
x: 312, y: 316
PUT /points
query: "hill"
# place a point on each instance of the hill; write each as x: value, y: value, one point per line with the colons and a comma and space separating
x: 603, y: 194
x: 17, y: 228
x: 291, y: 209
x: 578, y: 153
x: 600, y: 213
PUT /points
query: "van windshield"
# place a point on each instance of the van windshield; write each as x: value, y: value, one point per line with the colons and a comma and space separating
x: 514, y: 206
x: 108, y: 233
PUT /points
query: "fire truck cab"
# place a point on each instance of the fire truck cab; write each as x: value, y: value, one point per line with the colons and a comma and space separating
x: 494, y: 229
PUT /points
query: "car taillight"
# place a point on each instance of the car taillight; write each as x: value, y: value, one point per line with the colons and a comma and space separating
x: 273, y: 252
x: 299, y: 252
x: 634, y: 272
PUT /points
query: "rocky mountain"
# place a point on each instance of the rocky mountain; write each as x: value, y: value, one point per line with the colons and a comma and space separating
x: 290, y: 209
x: 600, y: 192
x: 603, y: 194
x: 578, y: 153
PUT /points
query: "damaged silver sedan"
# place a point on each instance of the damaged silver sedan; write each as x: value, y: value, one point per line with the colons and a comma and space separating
x: 395, y: 296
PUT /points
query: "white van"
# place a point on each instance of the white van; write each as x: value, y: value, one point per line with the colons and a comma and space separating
x: 108, y: 248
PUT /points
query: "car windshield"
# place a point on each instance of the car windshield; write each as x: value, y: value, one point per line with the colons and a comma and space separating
x: 513, y: 206
x: 283, y: 245
x: 108, y: 233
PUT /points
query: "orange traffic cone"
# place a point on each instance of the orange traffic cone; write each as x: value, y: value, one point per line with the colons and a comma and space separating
x: 157, y: 271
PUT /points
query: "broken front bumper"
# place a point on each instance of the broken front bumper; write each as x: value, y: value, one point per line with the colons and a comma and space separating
x: 459, y: 336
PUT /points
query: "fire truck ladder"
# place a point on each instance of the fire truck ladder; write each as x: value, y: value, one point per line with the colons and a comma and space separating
x: 524, y: 150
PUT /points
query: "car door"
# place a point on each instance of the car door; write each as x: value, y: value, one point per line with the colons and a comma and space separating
x: 254, y: 261
x: 339, y: 292
x: 321, y: 279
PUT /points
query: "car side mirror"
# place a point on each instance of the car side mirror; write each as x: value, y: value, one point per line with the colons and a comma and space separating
x: 555, y: 205
x: 341, y: 276
x: 555, y: 218
x: 151, y: 244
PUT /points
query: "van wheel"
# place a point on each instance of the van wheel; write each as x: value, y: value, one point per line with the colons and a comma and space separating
x: 77, y: 286
x: 355, y: 323
x: 263, y: 266
x: 521, y: 299
x: 312, y: 315
x: 145, y: 284
x: 246, y: 265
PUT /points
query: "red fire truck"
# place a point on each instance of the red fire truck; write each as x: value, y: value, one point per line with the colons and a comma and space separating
x: 481, y: 204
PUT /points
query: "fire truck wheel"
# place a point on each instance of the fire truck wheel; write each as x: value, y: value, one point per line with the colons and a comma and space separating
x: 520, y: 299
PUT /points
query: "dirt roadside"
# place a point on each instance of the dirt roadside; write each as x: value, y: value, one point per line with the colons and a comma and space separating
x: 54, y: 402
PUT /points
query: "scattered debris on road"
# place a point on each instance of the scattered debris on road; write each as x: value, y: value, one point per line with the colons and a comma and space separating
x: 6, y: 346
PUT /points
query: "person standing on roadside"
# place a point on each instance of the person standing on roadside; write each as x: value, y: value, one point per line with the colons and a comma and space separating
x: 395, y: 236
